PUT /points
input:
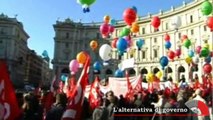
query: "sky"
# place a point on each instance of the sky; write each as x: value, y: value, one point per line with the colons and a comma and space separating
x: 38, y: 16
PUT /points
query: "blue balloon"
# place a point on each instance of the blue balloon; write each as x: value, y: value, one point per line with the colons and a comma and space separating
x: 119, y: 73
x: 140, y: 43
x: 113, y: 22
x: 208, y: 59
x: 135, y: 9
x: 191, y: 53
x: 64, y: 77
x: 168, y: 44
x: 122, y: 44
x: 97, y: 65
x: 164, y: 61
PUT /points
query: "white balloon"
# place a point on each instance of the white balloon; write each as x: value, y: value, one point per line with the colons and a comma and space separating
x: 195, y: 59
x: 105, y: 52
x: 176, y: 22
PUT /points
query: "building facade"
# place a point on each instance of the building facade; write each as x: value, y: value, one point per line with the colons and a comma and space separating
x: 13, y: 48
x: 71, y: 39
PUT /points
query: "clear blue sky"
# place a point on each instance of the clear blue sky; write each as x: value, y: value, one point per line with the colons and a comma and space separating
x: 38, y: 16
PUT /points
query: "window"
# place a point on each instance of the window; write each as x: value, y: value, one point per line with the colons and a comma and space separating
x: 143, y: 31
x: 155, y: 53
x: 192, y: 32
x: 67, y: 35
x: 155, y: 40
x: 143, y: 54
x: 204, y: 27
x: 191, y: 19
x: 167, y: 26
x: 179, y: 35
x: 66, y: 45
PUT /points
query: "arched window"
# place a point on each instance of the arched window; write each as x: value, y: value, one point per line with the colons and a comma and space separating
x: 144, y: 71
x: 168, y: 70
x: 155, y: 70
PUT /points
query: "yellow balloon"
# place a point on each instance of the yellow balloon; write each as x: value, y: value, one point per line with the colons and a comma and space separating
x: 206, y: 45
x: 188, y: 60
x: 150, y: 77
x: 159, y: 74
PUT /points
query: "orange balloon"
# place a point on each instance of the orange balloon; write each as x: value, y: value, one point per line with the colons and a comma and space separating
x: 93, y: 44
x: 106, y: 19
x: 135, y: 27
x: 81, y: 57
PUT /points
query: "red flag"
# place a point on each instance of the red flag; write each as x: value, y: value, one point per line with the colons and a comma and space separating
x: 71, y: 86
x: 130, y: 93
x: 11, y: 110
x: 95, y: 94
x: 138, y: 87
x: 73, y: 111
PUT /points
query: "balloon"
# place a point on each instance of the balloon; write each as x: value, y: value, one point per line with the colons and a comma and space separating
x: 178, y: 52
x: 207, y: 68
x: 184, y: 37
x: 125, y: 32
x: 195, y: 60
x: 187, y: 43
x: 81, y: 57
x: 171, y: 55
x: 198, y: 49
x: 150, y: 77
x: 114, y: 42
x: 64, y: 77
x: 206, y: 45
x: 93, y: 44
x: 140, y: 43
x: 164, y: 61
x: 168, y: 44
x: 111, y: 29
x: 106, y: 19
x: 121, y: 44
x: 104, y: 29
x: 159, y: 74
x: 208, y: 59
x: 188, y: 60
x: 206, y: 8
x: 129, y: 16
x: 175, y: 22
x: 129, y: 42
x: 74, y: 66
x: 210, y: 23
x: 191, y: 53
x: 112, y: 22
x: 135, y: 9
x: 97, y: 66
x: 204, y: 52
x: 155, y: 22
x: 86, y: 2
x: 166, y: 37
x: 105, y: 52
x: 135, y: 27
x: 119, y: 73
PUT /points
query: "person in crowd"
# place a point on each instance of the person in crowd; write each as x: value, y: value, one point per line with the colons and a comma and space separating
x: 31, y: 108
x: 58, y: 108
x: 101, y: 112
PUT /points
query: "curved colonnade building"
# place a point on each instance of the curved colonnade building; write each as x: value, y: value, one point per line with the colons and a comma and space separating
x: 73, y: 37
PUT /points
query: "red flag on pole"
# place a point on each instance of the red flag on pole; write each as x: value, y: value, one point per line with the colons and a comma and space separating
x: 138, y: 87
x: 8, y: 101
x: 73, y: 111
x: 130, y: 93
x: 95, y: 94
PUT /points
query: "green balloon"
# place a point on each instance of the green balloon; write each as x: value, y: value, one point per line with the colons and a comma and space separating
x: 86, y: 2
x: 206, y: 8
x: 204, y: 52
x: 187, y: 43
x: 125, y: 32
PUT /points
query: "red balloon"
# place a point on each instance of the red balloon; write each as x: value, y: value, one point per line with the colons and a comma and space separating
x: 114, y: 42
x: 178, y: 52
x: 129, y: 16
x: 104, y: 29
x: 111, y: 28
x: 155, y: 22
x: 198, y: 49
x: 184, y: 37
x: 171, y: 55
x: 210, y: 23
x: 166, y: 37
x: 207, y: 68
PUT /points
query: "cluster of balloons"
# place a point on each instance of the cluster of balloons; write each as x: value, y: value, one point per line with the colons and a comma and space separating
x: 107, y: 27
x: 86, y: 4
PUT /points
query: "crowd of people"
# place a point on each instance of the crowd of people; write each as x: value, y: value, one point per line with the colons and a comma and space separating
x: 40, y: 107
